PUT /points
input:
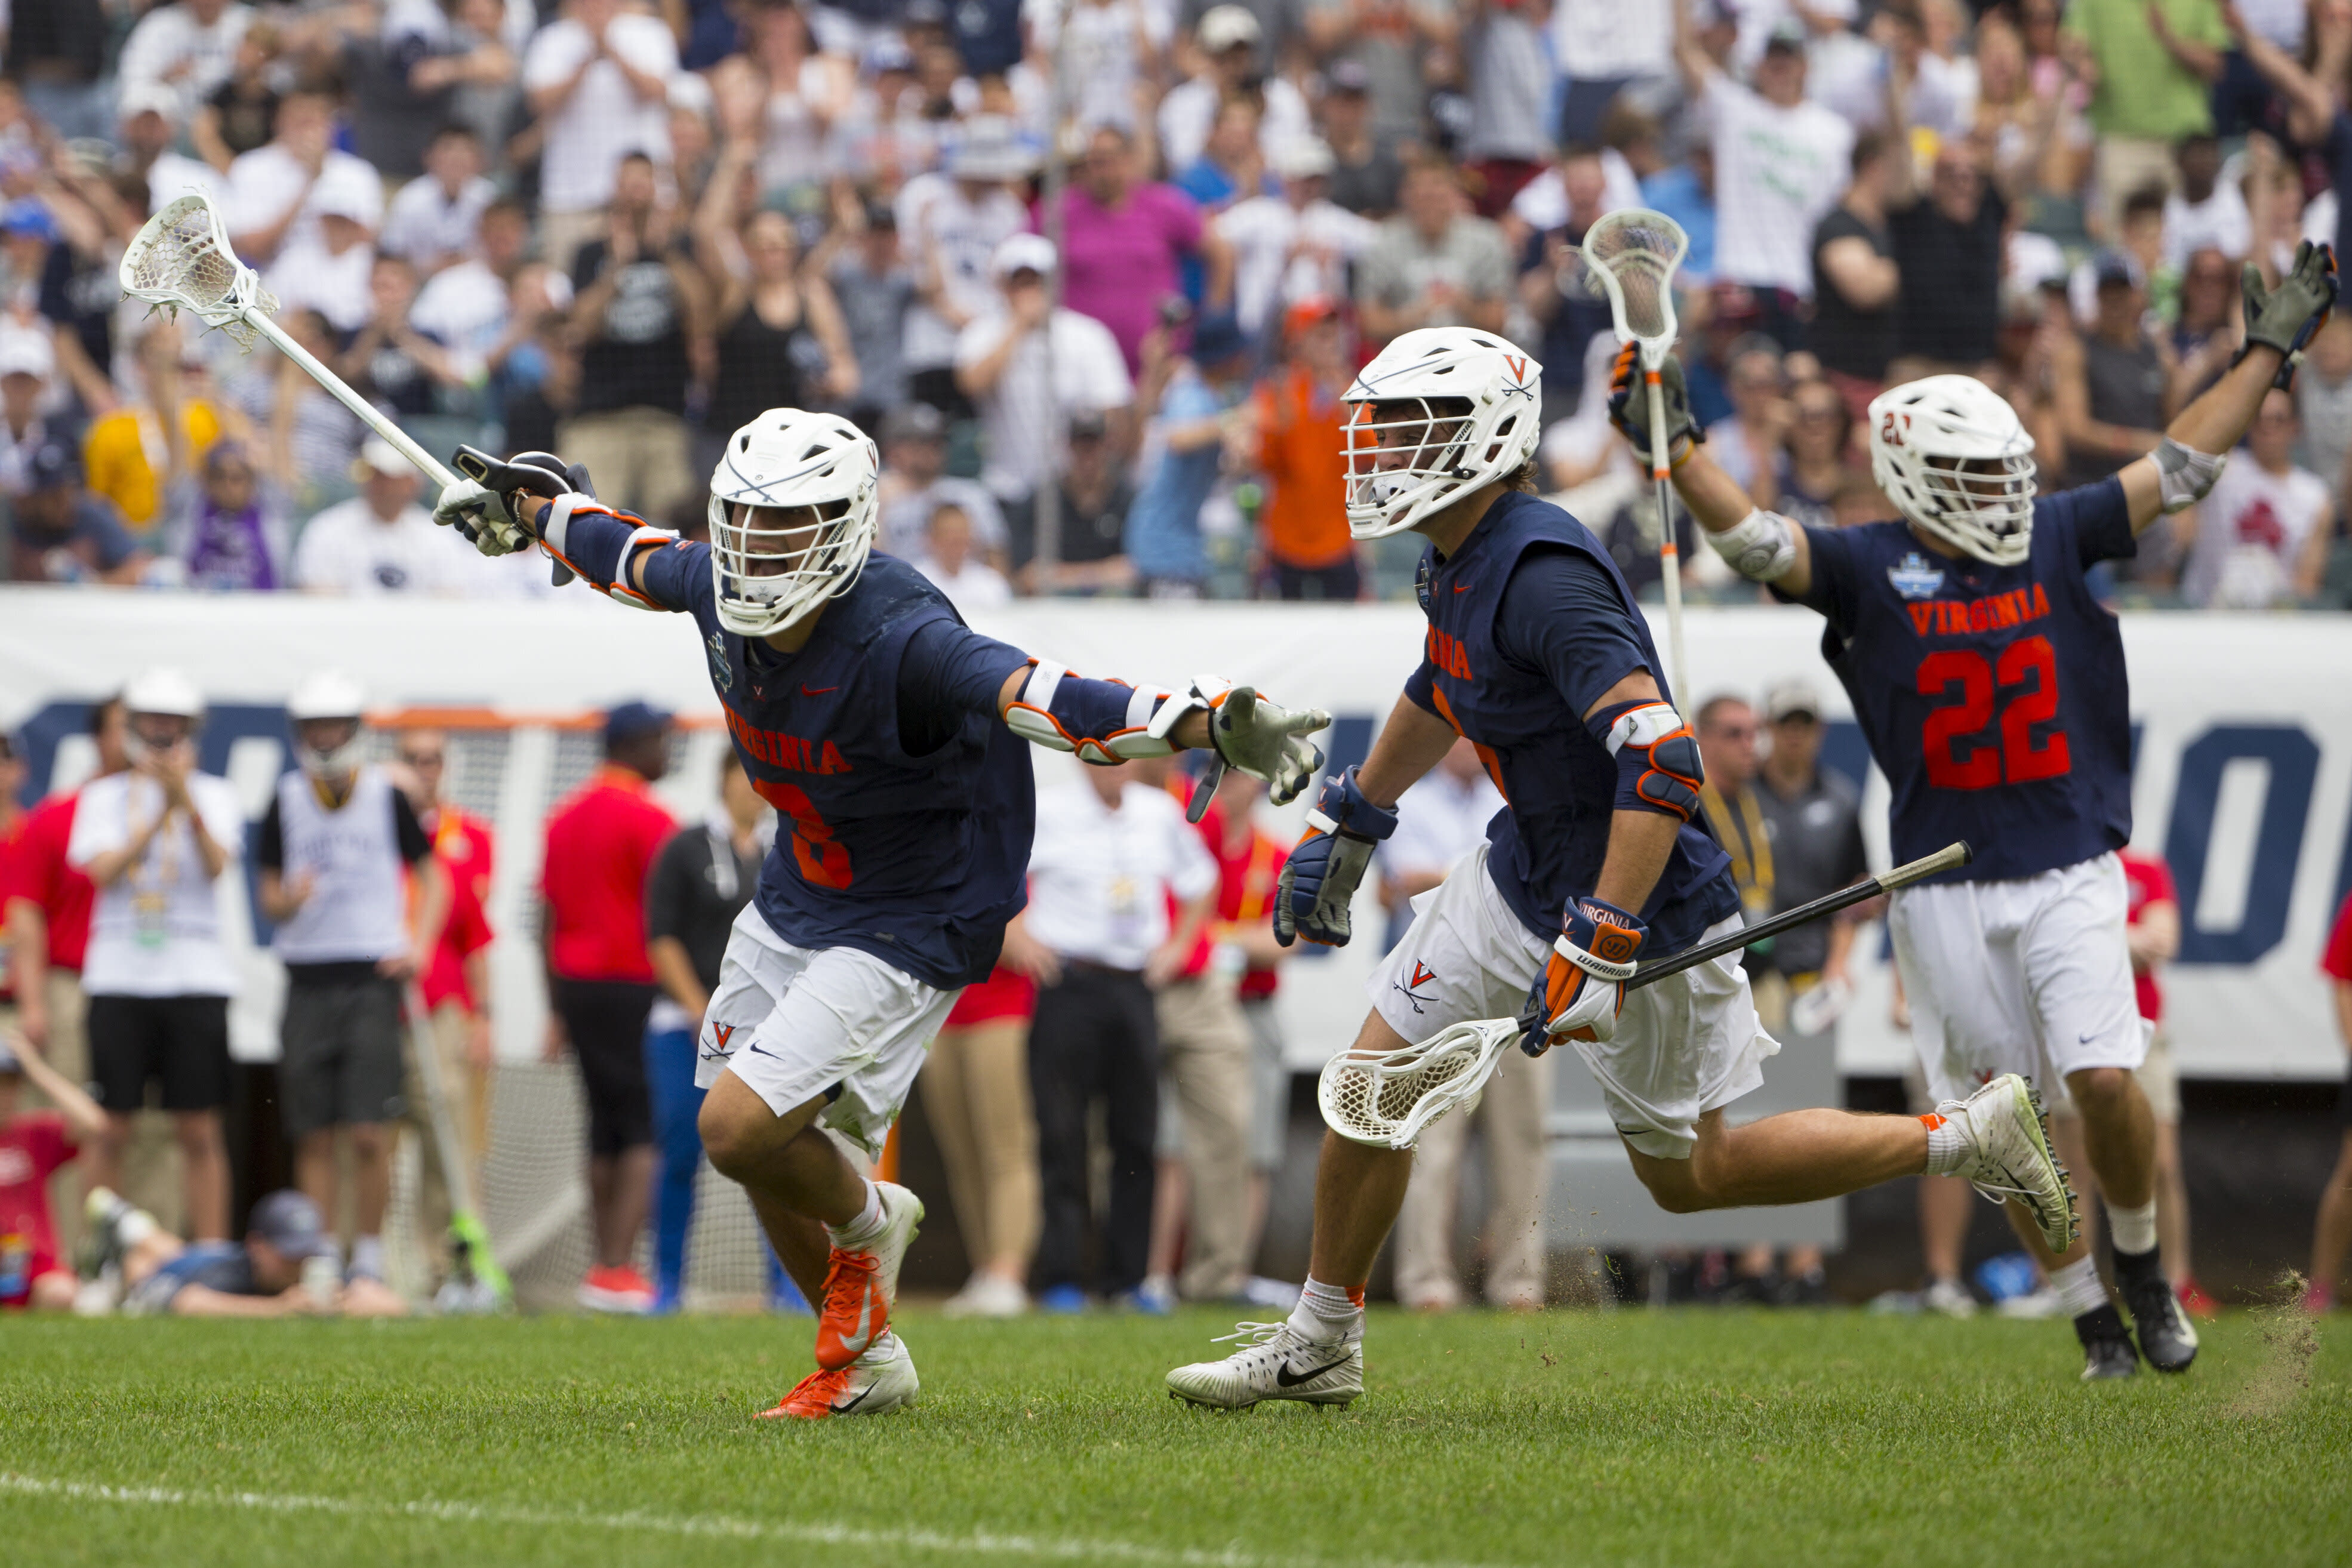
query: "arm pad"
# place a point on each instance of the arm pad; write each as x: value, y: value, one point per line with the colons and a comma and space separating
x: 2184, y: 475
x: 1343, y: 808
x: 1759, y: 546
x: 1657, y: 758
x: 597, y: 542
x: 1105, y: 722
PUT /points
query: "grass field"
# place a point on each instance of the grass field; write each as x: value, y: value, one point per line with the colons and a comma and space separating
x: 1674, y: 1438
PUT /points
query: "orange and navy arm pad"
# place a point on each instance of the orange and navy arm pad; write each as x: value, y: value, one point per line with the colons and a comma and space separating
x: 1657, y: 757
x: 597, y: 543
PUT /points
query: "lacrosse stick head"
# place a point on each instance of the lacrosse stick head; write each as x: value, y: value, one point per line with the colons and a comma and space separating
x: 1629, y: 258
x: 181, y: 260
x: 1388, y: 1100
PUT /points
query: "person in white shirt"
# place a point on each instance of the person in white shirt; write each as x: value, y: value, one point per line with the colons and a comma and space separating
x: 433, y: 220
x: 2205, y: 210
x: 148, y: 117
x: 467, y: 305
x: 949, y: 561
x: 598, y: 80
x: 158, y: 842
x: 949, y: 225
x: 381, y: 542
x: 2259, y: 539
x: 1026, y: 390
x: 1779, y: 165
x: 327, y: 266
x: 274, y: 190
x: 1439, y: 820
x: 1229, y: 37
x: 1111, y: 853
x: 1296, y: 245
x: 189, y: 47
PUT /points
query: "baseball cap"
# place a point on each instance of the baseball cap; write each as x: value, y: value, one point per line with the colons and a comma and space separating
x: 29, y: 216
x: 2115, y: 266
x: 913, y: 421
x: 1089, y: 425
x: 148, y: 97
x: 631, y: 719
x: 1217, y: 337
x: 1022, y: 253
x: 1226, y: 27
x: 52, y: 465
x: 1311, y: 311
x: 27, y: 354
x: 1348, y: 77
x: 1302, y: 158
x: 690, y: 91
x: 1787, y: 36
x: 380, y: 456
x: 290, y: 1223
x: 345, y: 192
x: 989, y: 149
x: 1786, y: 699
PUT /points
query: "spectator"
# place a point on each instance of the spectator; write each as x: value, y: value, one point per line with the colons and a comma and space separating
x: 394, y: 109
x: 392, y: 362
x: 1780, y: 162
x: 1549, y: 288
x: 1366, y: 171
x: 1124, y: 240
x: 34, y: 1146
x: 149, y: 116
x: 976, y: 1102
x: 116, y: 453
x: 467, y: 304
x: 2323, y: 401
x: 638, y: 303
x: 1747, y: 442
x: 950, y: 226
x: 1095, y: 500
x: 2152, y: 930
x: 875, y: 288
x: 1949, y: 248
x: 700, y: 881
x: 915, y: 483
x: 2331, y: 1233
x: 480, y: 72
x: 57, y: 51
x: 954, y: 568
x: 1102, y: 53
x: 2149, y: 67
x: 1230, y: 41
x: 2259, y: 539
x: 781, y: 341
x: 229, y: 528
x: 27, y: 366
x: 781, y: 94
x: 45, y: 910
x: 275, y: 201
x: 1198, y: 418
x: 319, y: 436
x: 2203, y: 209
x: 155, y: 842
x: 1026, y: 390
x: 62, y: 533
x: 1511, y: 78
x: 1112, y: 856
x: 597, y: 81
x: 2204, y: 337
x: 188, y: 46
x: 331, y: 269
x: 601, y: 842
x: 381, y: 542
x: 241, y: 113
x: 1856, y: 278
x: 79, y: 284
x: 2027, y: 113
x: 1392, y: 42
x: 1231, y: 166
x: 1297, y: 416
x: 432, y: 224
x: 1813, y: 463
x: 1435, y: 263
x: 2113, y: 383
x: 265, y: 1276
x: 333, y: 854
x: 1294, y: 246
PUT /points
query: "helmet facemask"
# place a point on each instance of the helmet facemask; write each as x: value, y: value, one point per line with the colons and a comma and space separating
x: 1409, y: 458
x: 1958, y: 463
x: 329, y: 749
x: 777, y: 564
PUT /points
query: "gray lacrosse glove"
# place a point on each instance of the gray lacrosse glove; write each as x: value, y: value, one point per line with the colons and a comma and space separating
x: 2288, y: 316
x: 1266, y: 741
x: 481, y: 516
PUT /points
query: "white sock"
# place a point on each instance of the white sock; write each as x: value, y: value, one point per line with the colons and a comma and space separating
x: 2078, y: 1287
x: 1947, y: 1146
x: 2134, y: 1229
x: 367, y: 1256
x: 854, y: 1236
x: 134, y: 1228
x: 1325, y: 1312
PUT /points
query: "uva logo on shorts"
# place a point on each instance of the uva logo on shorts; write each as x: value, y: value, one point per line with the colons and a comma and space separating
x: 721, y: 1034
x: 1423, y: 975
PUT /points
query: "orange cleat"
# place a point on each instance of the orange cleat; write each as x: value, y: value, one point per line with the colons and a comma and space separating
x: 810, y: 1399
x: 855, y: 1312
x: 880, y: 1381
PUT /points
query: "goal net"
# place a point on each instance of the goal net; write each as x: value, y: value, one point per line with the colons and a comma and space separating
x: 511, y: 773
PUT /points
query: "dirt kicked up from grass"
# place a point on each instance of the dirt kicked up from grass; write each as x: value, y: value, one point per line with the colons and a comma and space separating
x: 1672, y: 1438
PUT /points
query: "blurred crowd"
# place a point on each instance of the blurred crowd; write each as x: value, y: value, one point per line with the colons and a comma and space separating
x: 1094, y: 273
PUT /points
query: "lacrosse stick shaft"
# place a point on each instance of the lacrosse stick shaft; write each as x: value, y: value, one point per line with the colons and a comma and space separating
x: 455, y: 1169
x: 1670, y: 560
x: 1950, y: 856
x: 369, y: 414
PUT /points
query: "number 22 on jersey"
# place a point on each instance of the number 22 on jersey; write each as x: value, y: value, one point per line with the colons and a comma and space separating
x: 2022, y: 683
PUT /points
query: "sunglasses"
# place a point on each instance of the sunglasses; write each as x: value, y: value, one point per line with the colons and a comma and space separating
x: 423, y: 758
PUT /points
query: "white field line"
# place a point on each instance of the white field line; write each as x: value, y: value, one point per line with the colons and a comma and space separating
x: 711, y: 1526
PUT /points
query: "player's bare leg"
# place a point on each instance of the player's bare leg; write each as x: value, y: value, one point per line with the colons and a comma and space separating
x: 1798, y: 1156
x: 840, y: 1236
x: 2118, y: 1132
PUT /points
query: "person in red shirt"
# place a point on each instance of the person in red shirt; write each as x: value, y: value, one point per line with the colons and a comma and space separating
x: 12, y: 828
x: 2332, y: 1234
x: 34, y: 1145
x: 600, y: 845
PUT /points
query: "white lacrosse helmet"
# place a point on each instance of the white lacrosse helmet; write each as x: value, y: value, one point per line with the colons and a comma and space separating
x: 328, y: 695
x: 161, y: 691
x: 769, y: 570
x: 1955, y: 459
x: 1438, y: 413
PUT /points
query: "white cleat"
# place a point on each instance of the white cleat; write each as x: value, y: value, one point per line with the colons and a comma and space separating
x: 877, y: 1383
x: 1950, y: 1298
x: 2009, y: 1155
x: 902, y: 1213
x: 988, y: 1296
x: 1275, y: 1361
x: 862, y: 1286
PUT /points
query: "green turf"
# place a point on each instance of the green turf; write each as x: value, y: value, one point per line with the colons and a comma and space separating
x: 1674, y: 1438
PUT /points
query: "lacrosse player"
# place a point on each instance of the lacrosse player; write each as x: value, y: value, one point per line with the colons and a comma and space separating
x: 1990, y: 685
x: 893, y: 743
x: 1537, y: 653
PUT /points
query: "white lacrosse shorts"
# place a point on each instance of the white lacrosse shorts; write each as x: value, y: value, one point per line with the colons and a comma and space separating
x: 2028, y: 976
x: 794, y: 1023
x: 1689, y: 1044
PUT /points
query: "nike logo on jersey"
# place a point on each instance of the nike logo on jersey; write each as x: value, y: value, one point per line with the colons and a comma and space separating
x: 809, y: 691
x: 1288, y: 1379
x: 1462, y: 588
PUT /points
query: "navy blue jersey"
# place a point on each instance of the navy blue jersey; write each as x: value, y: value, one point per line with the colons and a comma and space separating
x: 913, y: 847
x: 1993, y: 697
x: 1530, y: 625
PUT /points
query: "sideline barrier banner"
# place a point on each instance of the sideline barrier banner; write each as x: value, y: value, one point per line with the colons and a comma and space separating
x: 2243, y: 781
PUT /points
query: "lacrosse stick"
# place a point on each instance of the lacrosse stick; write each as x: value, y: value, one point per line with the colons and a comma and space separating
x: 1629, y: 259
x: 1387, y: 1101
x: 477, y: 1285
